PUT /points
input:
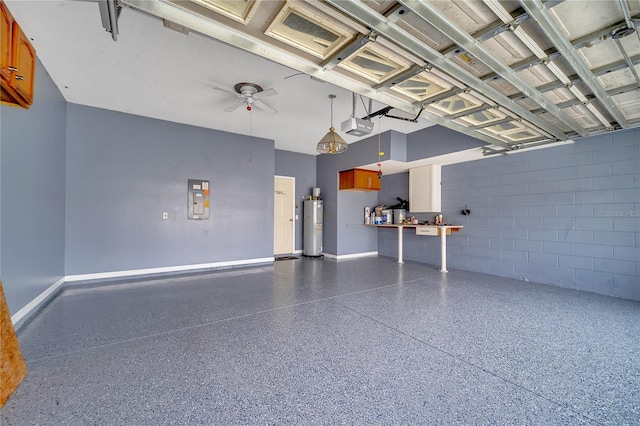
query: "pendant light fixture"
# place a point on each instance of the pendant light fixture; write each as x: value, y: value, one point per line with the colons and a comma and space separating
x: 332, y: 142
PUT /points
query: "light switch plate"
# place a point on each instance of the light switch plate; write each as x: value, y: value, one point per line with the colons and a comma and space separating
x: 165, y: 215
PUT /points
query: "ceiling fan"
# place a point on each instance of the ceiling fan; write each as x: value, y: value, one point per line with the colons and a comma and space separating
x: 250, y: 95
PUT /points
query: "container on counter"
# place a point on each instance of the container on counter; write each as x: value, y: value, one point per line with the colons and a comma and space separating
x: 387, y: 217
x: 399, y: 215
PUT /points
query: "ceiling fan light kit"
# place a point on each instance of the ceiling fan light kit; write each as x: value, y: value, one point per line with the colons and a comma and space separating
x: 332, y: 142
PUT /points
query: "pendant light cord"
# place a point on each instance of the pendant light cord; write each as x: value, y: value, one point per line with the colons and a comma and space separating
x: 331, y: 97
x: 379, y: 147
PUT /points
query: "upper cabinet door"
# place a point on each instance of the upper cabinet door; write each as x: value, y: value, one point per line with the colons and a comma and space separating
x: 359, y: 180
x: 6, y: 47
x: 25, y: 62
x: 366, y: 179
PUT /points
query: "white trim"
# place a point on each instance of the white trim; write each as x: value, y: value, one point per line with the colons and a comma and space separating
x: 132, y: 272
x: 350, y: 256
x: 37, y: 302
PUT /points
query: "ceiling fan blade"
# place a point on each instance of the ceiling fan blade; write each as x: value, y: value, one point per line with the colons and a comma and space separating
x: 235, y: 106
x: 226, y: 91
x: 265, y: 93
x: 264, y: 107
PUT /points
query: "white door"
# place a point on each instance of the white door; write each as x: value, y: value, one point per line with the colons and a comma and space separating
x: 283, y: 218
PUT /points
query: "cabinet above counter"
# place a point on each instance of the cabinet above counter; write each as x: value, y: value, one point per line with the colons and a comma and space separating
x: 359, y: 180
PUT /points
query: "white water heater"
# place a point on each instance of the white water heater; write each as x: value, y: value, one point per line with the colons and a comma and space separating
x: 312, y: 228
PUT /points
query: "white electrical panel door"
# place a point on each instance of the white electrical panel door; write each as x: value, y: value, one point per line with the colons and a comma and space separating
x: 424, y: 189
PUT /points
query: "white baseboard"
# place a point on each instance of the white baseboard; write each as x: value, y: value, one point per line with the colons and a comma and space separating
x: 43, y: 297
x: 36, y: 303
x: 164, y: 270
x: 350, y: 256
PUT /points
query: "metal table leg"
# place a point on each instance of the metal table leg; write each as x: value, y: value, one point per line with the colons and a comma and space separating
x: 400, y: 245
x: 443, y: 249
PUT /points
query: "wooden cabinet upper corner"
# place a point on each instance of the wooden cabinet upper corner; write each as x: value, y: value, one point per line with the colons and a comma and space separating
x: 17, y: 62
x: 359, y: 180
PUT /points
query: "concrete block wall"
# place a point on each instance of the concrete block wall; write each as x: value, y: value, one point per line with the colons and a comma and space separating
x: 567, y: 216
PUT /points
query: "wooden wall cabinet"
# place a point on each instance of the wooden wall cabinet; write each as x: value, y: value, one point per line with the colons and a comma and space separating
x: 17, y: 62
x: 424, y: 189
x: 359, y: 180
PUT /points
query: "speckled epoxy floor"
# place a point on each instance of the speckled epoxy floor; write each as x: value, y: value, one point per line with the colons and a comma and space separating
x: 310, y: 341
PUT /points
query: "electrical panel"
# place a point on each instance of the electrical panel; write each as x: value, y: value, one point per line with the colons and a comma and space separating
x: 198, y: 203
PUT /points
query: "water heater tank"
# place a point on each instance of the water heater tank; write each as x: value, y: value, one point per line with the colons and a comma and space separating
x: 312, y: 228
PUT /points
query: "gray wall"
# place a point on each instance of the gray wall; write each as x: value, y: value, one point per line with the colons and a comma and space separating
x: 438, y: 140
x: 344, y: 210
x: 32, y: 176
x: 303, y: 168
x: 567, y: 216
x: 426, y: 143
x: 124, y: 171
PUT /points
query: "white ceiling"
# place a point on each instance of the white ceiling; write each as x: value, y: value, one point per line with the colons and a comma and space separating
x: 156, y: 72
